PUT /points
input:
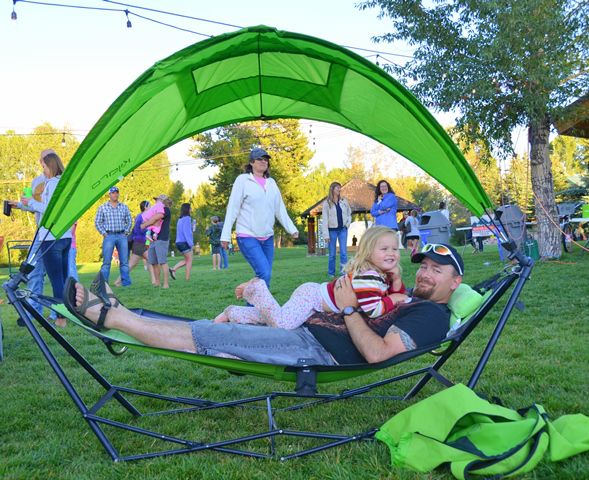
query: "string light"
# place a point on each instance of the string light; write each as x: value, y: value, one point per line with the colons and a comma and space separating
x: 128, y: 12
x: 63, y: 139
x: 13, y: 14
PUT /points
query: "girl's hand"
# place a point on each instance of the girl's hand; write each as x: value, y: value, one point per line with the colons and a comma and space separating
x: 398, y: 297
x: 395, y: 273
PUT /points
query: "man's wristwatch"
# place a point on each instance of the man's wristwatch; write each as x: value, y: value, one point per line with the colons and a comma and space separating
x: 350, y: 310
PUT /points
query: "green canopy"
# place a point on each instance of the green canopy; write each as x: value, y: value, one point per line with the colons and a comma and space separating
x: 255, y: 73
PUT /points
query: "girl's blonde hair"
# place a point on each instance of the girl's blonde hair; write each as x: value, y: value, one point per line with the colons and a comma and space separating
x: 331, y: 195
x: 361, y: 261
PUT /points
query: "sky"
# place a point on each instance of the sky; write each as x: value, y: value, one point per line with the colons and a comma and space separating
x: 66, y: 66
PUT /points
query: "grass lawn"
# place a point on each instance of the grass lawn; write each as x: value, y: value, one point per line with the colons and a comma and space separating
x: 541, y: 357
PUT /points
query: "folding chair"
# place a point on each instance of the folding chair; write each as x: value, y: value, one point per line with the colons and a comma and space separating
x: 306, y: 378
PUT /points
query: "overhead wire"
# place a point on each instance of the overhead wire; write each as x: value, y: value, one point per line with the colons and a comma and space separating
x: 178, y: 15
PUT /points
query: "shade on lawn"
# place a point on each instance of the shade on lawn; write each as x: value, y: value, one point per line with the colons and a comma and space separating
x: 256, y: 73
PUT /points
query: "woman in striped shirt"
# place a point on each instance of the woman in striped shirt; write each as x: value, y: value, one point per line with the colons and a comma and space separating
x: 376, y: 278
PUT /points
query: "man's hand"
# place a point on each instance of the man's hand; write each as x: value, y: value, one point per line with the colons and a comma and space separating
x: 224, y: 245
x: 344, y: 293
x: 25, y: 201
x: 295, y: 235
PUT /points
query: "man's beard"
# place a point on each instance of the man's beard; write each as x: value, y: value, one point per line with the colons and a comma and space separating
x: 424, y: 292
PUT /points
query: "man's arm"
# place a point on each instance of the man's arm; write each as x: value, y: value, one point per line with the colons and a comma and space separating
x: 99, y: 221
x: 372, y: 347
x: 128, y: 221
x: 152, y: 220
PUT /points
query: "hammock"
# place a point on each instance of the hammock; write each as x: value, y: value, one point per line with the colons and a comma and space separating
x: 306, y: 377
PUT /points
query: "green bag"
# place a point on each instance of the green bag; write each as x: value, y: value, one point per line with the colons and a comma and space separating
x: 476, y: 437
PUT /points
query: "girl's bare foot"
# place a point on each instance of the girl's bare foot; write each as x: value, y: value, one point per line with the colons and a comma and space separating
x: 241, y: 287
x: 221, y: 318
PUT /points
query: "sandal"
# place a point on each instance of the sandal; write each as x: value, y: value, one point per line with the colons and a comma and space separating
x: 69, y: 300
x: 100, y: 288
x: 172, y: 273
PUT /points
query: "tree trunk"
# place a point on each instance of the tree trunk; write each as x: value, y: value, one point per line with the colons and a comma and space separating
x: 549, y: 244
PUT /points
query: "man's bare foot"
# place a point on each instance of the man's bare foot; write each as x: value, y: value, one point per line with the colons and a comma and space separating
x: 117, y: 283
x: 221, y: 318
x: 241, y: 287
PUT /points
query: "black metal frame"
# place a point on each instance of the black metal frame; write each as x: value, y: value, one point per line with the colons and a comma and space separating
x: 305, y: 392
x: 16, y: 245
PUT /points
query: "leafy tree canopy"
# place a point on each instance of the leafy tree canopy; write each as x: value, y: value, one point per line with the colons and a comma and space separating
x: 500, y: 64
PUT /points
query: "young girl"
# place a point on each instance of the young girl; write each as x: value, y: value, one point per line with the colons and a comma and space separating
x: 153, y: 231
x: 376, y: 278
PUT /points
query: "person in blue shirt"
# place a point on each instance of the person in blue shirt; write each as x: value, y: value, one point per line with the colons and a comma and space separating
x: 184, y: 241
x: 384, y: 209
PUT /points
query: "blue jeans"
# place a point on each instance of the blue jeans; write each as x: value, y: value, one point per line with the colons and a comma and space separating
x: 258, y: 343
x: 340, y: 235
x: 37, y: 276
x: 72, y: 267
x: 224, y: 259
x: 118, y: 240
x: 259, y: 254
x: 55, y: 258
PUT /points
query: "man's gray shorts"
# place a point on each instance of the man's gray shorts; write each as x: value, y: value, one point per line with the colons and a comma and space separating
x: 158, y: 252
x: 260, y: 343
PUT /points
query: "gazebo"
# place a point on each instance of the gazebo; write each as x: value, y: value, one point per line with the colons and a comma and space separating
x: 360, y: 195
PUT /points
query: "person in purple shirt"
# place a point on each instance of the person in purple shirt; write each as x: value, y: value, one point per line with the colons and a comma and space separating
x: 384, y: 209
x: 184, y: 241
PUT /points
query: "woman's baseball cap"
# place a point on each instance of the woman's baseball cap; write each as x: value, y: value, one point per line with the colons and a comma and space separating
x: 258, y: 153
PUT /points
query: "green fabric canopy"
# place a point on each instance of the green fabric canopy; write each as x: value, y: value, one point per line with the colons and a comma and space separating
x: 255, y: 73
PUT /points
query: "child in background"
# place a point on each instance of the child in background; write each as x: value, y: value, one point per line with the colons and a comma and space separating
x: 376, y: 278
x: 153, y: 230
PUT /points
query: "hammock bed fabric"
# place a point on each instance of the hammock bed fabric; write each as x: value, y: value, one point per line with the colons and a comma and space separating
x: 256, y: 73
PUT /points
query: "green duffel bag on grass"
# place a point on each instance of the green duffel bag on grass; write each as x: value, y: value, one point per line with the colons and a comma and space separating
x: 476, y: 437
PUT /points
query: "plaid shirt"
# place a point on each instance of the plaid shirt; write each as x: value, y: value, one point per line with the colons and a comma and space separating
x: 111, y: 219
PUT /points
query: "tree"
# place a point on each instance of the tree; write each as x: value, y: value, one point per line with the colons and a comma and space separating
x: 500, y: 65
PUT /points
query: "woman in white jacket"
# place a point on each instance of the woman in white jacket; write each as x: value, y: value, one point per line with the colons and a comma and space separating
x: 337, y: 216
x: 254, y: 204
x: 54, y: 253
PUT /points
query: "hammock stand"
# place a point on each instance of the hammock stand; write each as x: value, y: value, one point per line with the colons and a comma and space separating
x: 307, y: 378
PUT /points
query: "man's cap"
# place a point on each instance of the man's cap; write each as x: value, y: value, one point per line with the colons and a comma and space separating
x: 113, y: 190
x: 258, y: 153
x: 455, y: 259
x: 163, y: 197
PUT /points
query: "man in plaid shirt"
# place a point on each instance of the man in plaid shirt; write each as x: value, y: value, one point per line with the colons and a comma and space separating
x: 114, y: 222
